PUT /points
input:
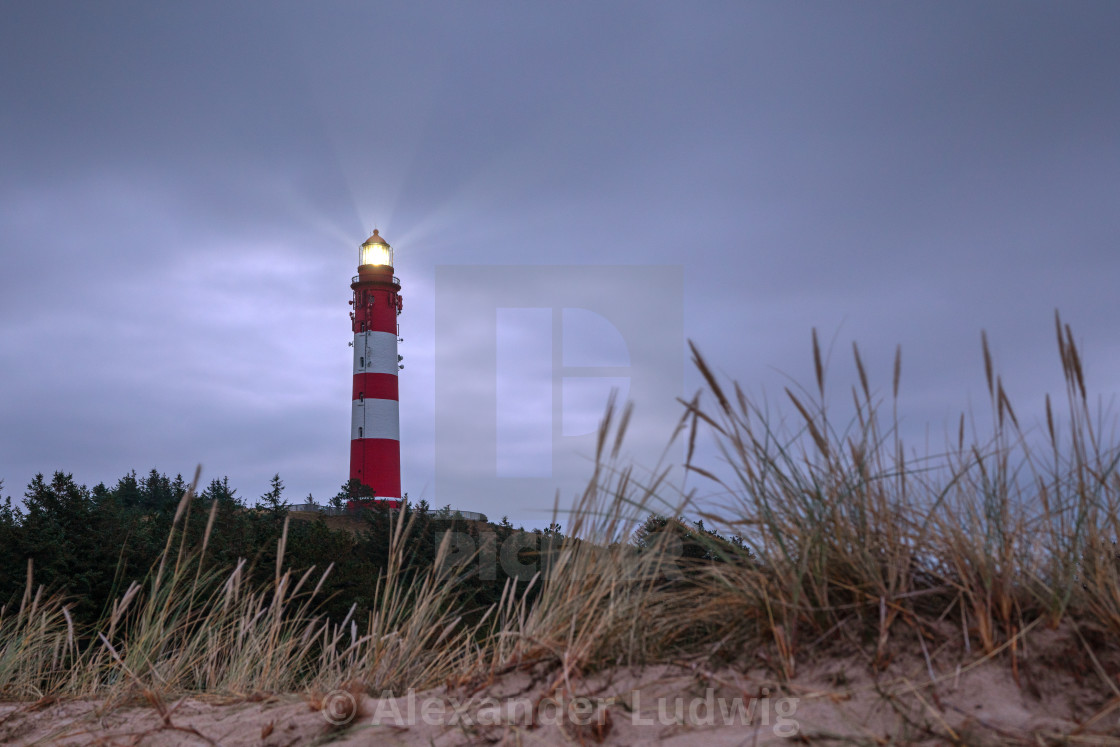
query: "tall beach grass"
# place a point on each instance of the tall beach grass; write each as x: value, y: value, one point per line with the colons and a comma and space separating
x: 840, y: 538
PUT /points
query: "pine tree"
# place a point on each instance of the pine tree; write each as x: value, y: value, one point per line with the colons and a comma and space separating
x: 10, y: 557
x: 220, y: 491
x: 63, y: 536
x: 273, y: 501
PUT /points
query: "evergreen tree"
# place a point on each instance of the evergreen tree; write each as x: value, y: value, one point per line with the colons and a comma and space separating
x: 220, y: 491
x: 11, y: 582
x: 65, y: 539
x: 351, y: 490
x: 127, y: 491
x: 157, y: 494
x: 273, y: 501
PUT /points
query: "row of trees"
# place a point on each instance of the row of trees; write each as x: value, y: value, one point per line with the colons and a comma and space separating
x: 90, y: 543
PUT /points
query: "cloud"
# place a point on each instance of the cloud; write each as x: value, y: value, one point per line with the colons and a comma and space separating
x: 184, y: 189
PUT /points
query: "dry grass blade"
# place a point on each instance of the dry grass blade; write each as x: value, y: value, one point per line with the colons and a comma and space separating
x: 818, y: 438
x: 713, y: 384
x: 862, y: 374
x: 987, y: 363
x: 897, y: 378
x: 818, y: 366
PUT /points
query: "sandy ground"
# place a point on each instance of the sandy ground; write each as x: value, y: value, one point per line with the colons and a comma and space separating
x: 1057, y: 691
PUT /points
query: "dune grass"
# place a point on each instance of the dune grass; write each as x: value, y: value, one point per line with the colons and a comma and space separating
x: 842, y: 539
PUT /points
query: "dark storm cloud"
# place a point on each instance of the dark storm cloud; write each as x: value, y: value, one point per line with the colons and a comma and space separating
x: 182, y: 189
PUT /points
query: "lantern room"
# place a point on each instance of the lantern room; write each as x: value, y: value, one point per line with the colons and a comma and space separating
x: 375, y: 251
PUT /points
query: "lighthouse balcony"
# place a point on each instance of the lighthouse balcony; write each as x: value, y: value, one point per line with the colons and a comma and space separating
x: 356, y: 278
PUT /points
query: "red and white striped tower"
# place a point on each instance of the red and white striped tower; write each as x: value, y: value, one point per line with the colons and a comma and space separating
x: 375, y: 446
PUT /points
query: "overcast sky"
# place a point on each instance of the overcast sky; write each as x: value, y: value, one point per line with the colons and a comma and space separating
x: 183, y: 188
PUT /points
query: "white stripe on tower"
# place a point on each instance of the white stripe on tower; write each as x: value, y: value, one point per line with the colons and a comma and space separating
x: 378, y: 418
x: 375, y: 352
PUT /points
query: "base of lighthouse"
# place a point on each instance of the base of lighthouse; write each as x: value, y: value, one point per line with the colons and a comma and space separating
x: 376, y: 463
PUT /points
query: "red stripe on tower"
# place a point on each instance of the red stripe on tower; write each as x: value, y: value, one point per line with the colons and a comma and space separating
x: 375, y: 447
x: 375, y: 386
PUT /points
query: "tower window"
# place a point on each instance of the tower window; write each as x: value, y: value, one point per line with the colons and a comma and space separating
x: 362, y: 362
x: 361, y: 396
x: 359, y: 431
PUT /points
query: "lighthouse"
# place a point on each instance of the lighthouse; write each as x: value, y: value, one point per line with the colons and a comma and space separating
x: 375, y: 446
